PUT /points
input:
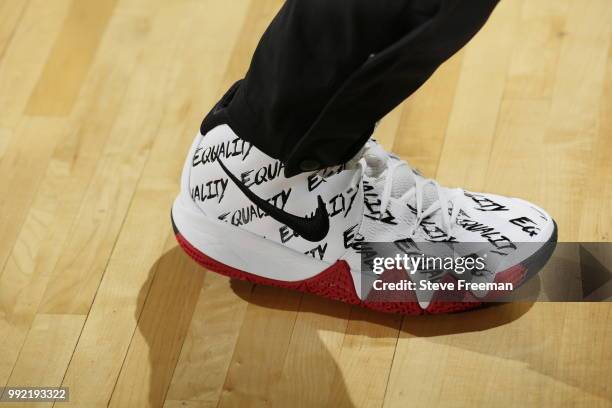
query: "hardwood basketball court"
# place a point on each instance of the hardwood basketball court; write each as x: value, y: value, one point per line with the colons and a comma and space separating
x: 99, y: 101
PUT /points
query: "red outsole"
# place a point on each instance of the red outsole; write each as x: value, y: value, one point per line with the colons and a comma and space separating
x: 336, y: 283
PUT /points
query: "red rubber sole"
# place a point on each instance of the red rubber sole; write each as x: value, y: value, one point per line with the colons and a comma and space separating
x: 336, y: 282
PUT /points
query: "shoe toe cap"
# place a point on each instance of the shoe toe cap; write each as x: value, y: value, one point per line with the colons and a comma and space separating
x: 520, y: 220
x: 533, y: 220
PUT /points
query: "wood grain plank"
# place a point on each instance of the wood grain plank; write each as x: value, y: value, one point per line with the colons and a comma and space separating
x: 574, y: 112
x: 471, y: 127
x: 207, y: 390
x: 523, y: 116
x: 585, y: 357
x: 118, y: 170
x: 424, y: 120
x: 170, y: 302
x: 595, y: 225
x: 74, y: 50
x: 525, y: 110
x: 5, y: 136
x: 46, y: 351
x: 504, y: 355
x: 520, y: 132
x: 532, y: 71
x: 365, y: 361
x: 113, y: 315
x: 512, y: 354
x: 11, y: 12
x: 32, y: 152
x: 18, y: 70
x: 186, y: 404
x: 73, y: 162
x: 261, y: 347
x: 257, y: 20
x: 467, y: 94
x: 25, y: 56
x: 310, y: 371
x: 209, y: 346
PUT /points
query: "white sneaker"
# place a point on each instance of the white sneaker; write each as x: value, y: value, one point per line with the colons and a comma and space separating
x: 237, y: 214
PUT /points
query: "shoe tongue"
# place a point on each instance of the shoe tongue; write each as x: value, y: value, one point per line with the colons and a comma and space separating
x: 404, y: 178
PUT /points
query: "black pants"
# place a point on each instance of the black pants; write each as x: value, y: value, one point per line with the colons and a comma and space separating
x: 326, y: 70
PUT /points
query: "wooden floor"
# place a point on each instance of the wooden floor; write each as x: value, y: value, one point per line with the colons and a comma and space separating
x: 99, y: 101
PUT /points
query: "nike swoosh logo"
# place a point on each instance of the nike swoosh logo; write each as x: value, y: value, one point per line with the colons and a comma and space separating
x: 312, y: 229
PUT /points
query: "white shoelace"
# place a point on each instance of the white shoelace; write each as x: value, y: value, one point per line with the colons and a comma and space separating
x: 372, y: 156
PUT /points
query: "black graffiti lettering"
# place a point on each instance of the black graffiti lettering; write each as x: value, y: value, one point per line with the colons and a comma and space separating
x: 224, y: 183
x: 495, y: 237
x: 247, y: 151
x: 237, y: 219
x: 197, y: 158
x: 314, y: 181
x: 435, y: 233
x: 485, y: 204
x: 221, y: 151
x: 372, y: 206
x: 349, y: 236
x: 526, y: 225
x: 477, y: 227
x: 502, y: 242
x: 245, y: 177
x: 406, y: 245
x: 367, y: 187
x: 387, y: 218
x: 264, y: 174
x: 368, y: 254
x: 246, y: 215
x: 209, y: 190
x: 282, y: 197
x: 230, y: 148
x: 250, y: 213
x: 318, y: 251
x: 337, y: 203
x: 370, y: 198
x: 354, y: 240
x: 351, y: 200
x: 286, y: 234
x: 358, y: 243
